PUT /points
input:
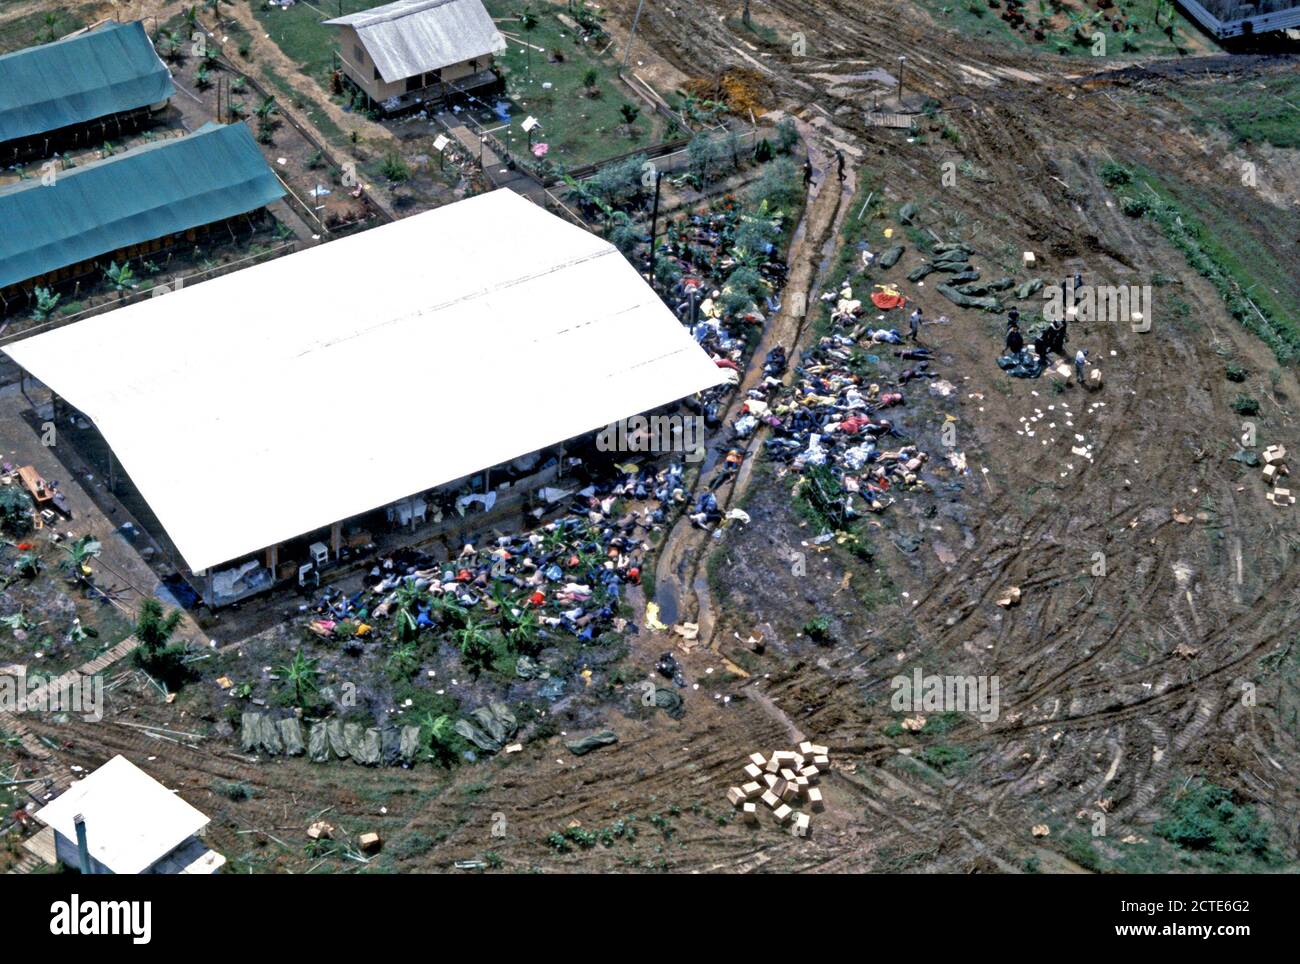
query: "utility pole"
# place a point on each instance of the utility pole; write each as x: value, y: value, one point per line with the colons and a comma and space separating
x: 654, y: 226
x: 632, y: 35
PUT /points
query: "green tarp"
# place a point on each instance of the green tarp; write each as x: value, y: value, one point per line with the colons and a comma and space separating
x: 145, y: 193
x: 75, y: 80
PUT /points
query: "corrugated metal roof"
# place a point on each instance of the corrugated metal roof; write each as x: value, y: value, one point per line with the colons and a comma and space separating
x: 377, y: 322
x: 415, y: 36
x: 145, y: 193
x: 78, y: 79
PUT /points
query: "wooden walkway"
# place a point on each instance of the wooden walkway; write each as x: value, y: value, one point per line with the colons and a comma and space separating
x: 60, y: 779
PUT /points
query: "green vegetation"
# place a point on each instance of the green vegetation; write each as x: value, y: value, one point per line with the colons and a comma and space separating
x: 1257, y: 288
x: 948, y: 760
x: 157, y: 655
x: 1255, y: 111
x: 15, y: 511
x: 582, y: 111
x: 1206, y: 819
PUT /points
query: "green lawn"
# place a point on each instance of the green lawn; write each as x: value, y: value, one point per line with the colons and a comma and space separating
x: 578, y: 128
x: 301, y: 33
x: 1253, y: 111
x: 31, y: 29
x: 975, y: 18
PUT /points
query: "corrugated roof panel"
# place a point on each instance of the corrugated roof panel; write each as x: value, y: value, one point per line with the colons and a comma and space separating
x: 145, y: 193
x: 77, y: 79
x: 424, y: 350
x: 416, y: 36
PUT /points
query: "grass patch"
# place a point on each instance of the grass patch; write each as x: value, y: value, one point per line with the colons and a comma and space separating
x: 1257, y: 288
x: 578, y: 128
x: 1260, y: 111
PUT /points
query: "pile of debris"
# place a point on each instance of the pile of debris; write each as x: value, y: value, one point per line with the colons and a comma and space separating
x: 1275, y: 469
x: 781, y: 781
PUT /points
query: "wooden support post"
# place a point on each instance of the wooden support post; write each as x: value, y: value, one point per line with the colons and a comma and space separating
x: 273, y: 560
x: 336, y: 536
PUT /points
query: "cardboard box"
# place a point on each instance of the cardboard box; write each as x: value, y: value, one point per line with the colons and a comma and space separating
x: 815, y: 800
x: 735, y: 796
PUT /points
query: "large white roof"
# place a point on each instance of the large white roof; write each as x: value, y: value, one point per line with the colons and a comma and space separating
x: 132, y: 820
x: 275, y: 400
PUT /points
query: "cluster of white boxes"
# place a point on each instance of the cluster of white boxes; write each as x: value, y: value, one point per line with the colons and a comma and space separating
x: 782, y: 781
x: 1275, y: 470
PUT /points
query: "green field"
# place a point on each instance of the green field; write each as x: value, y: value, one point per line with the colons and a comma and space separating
x: 1254, y: 111
x: 975, y: 18
x: 301, y: 33
x: 578, y: 128
x: 33, y: 28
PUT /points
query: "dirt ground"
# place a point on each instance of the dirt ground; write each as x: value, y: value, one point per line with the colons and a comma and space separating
x: 1116, y: 689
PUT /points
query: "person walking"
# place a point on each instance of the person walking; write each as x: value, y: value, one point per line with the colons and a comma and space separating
x: 839, y: 160
x: 914, y: 324
x: 1080, y: 359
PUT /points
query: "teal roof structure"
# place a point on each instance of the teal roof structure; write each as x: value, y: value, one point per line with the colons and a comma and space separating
x: 74, y: 80
x: 147, y: 192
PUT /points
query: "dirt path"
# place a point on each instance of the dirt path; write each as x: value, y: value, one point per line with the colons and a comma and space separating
x: 678, y: 569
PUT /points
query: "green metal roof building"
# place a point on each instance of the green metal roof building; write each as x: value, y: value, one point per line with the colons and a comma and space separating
x: 111, y: 70
x: 146, y: 193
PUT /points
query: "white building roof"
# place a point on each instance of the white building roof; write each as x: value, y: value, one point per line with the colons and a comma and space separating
x: 132, y: 820
x: 275, y: 400
x: 412, y: 37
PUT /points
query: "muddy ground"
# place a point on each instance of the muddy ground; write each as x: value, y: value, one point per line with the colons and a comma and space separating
x: 1118, y: 691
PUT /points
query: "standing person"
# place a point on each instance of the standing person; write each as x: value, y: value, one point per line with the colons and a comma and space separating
x: 839, y: 160
x: 1013, y: 318
x: 914, y: 324
x: 1080, y: 359
x: 1015, y: 340
x: 807, y: 172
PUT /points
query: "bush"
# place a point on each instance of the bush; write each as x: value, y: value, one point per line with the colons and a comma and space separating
x: 779, y: 185
x: 15, y: 511
x: 709, y: 159
x: 818, y: 629
x: 394, y: 168
x: 1245, y: 404
x: 1113, y: 175
x: 1205, y: 817
x: 1135, y: 207
x: 233, y: 790
x: 618, y: 182
x: 787, y: 135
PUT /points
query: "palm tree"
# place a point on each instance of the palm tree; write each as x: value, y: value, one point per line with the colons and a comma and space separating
x: 51, y: 28
x: 445, y: 609
x: 407, y: 599
x: 79, y: 555
x: 120, y: 278
x: 152, y: 628
x: 301, y: 673
x: 440, y: 733
x: 475, y: 646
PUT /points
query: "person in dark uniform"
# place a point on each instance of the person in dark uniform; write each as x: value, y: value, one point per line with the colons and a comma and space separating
x: 1015, y: 340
